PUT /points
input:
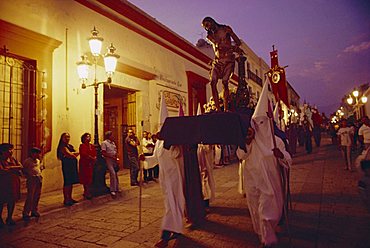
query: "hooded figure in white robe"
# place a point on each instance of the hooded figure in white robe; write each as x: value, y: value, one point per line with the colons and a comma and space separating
x: 262, y: 178
x: 171, y: 178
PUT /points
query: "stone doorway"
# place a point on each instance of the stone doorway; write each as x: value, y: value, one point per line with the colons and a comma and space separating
x: 119, y: 116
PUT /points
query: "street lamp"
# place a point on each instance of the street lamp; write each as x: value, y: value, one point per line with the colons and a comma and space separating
x: 357, y: 102
x: 110, y: 63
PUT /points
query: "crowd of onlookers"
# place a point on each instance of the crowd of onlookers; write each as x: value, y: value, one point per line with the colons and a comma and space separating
x: 77, y: 168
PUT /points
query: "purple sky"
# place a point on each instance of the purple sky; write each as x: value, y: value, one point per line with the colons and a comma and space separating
x: 325, y: 43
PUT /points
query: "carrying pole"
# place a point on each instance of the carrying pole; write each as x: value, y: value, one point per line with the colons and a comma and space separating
x: 140, y: 191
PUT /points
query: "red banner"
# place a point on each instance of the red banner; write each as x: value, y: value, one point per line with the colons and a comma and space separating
x: 278, y: 79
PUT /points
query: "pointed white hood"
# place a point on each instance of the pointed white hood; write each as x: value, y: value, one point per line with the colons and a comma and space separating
x: 261, y: 123
x: 199, y: 110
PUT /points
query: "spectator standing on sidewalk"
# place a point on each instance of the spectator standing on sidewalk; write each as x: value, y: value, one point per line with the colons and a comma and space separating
x: 345, y: 135
x: 9, y: 182
x: 132, y: 143
x: 32, y: 171
x: 87, y: 162
x: 364, y: 132
x: 109, y: 152
x: 68, y: 155
x: 147, y: 147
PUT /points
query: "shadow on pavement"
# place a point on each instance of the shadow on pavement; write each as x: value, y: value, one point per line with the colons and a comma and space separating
x: 187, y: 242
x: 232, y: 233
x: 327, y: 198
x: 227, y: 211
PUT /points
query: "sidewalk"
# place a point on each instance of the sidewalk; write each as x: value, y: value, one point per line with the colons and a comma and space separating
x: 52, y: 202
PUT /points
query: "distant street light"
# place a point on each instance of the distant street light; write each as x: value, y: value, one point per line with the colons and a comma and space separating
x: 357, y: 102
x: 110, y: 63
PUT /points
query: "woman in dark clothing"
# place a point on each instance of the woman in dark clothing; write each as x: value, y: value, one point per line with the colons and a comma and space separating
x: 68, y: 155
x: 9, y: 182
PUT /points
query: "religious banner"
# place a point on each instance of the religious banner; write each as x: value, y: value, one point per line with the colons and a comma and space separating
x: 277, y: 79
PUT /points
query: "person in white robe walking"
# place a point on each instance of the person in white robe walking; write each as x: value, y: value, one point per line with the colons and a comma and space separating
x: 262, y: 177
x: 171, y: 178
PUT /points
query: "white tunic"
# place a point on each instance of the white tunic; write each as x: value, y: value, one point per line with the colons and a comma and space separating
x: 205, y: 162
x: 171, y: 177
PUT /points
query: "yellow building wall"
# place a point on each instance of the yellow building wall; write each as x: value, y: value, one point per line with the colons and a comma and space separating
x: 72, y: 107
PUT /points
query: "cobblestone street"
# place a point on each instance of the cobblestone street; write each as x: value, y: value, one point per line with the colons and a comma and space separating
x: 327, y: 212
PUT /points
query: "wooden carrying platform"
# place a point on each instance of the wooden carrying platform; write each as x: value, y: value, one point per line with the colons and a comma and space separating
x: 213, y: 128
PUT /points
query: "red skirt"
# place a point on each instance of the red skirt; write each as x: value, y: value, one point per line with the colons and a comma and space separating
x: 86, y: 173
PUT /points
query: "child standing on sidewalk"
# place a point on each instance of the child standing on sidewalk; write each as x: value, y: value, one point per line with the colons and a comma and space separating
x: 32, y: 171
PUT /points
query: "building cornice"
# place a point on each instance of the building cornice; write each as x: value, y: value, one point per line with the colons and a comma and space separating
x: 127, y: 15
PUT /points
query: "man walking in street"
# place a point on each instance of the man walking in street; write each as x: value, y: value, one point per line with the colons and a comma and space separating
x: 132, y: 143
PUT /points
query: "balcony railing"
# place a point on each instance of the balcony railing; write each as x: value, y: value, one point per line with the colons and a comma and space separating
x: 254, y: 77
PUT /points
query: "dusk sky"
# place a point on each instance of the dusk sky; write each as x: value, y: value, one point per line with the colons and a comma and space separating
x: 325, y: 43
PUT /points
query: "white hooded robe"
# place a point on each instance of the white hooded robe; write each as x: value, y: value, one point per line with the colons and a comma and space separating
x: 171, y: 177
x: 262, y: 180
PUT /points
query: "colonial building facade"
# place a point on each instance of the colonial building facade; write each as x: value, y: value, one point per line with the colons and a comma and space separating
x: 40, y: 92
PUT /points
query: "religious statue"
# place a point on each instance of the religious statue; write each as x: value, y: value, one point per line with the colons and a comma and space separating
x: 224, y: 62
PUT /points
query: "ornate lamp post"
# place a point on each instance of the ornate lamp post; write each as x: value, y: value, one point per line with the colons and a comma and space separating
x: 110, y: 62
x: 357, y: 102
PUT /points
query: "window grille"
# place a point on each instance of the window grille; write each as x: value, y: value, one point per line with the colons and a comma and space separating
x: 19, y: 100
